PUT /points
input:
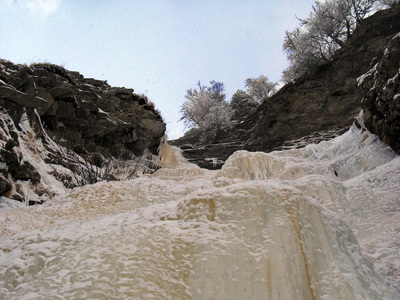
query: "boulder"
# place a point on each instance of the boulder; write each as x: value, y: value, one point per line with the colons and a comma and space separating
x: 9, y: 93
x: 62, y: 91
x: 121, y: 93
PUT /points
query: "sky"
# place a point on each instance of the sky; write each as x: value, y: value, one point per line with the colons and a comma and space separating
x: 159, y: 48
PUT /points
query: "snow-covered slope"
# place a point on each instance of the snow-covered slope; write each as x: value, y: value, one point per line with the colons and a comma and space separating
x: 314, y: 223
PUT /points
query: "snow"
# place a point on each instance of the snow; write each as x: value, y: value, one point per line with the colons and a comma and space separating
x: 33, y: 151
x: 393, y: 79
x: 280, y: 225
x: 371, y: 72
x: 396, y: 36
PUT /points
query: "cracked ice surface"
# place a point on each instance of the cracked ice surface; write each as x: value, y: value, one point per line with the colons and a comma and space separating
x: 314, y: 223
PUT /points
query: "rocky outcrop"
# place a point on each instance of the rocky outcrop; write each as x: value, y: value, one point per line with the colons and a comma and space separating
x: 327, y: 101
x: 72, y: 118
x: 381, y: 104
x: 87, y: 113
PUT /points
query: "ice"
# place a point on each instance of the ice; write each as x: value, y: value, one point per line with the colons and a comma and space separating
x: 6, y: 203
x: 314, y: 223
x: 33, y: 151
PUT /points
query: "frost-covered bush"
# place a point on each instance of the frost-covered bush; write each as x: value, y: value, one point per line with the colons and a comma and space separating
x: 260, y: 88
x: 207, y: 109
x: 217, y: 118
x: 242, y: 104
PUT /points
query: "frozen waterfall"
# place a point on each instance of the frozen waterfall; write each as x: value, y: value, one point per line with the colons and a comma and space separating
x: 320, y: 222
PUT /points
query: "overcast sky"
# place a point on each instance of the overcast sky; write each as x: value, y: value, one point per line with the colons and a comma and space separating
x: 158, y: 48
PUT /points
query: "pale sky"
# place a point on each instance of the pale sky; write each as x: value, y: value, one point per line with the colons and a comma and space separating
x: 159, y: 48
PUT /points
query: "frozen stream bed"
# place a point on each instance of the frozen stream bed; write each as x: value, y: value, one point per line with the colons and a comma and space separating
x: 320, y: 222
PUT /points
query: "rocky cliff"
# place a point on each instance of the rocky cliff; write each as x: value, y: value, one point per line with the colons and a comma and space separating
x: 54, y: 117
x: 313, y: 108
x: 381, y: 88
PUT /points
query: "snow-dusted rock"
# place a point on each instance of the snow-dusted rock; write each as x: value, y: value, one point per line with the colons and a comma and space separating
x: 56, y: 123
x: 381, y: 103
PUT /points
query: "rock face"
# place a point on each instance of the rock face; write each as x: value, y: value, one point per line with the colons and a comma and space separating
x: 87, y: 113
x: 328, y: 101
x: 47, y: 106
x: 381, y: 104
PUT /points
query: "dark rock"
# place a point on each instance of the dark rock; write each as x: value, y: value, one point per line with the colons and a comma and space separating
x: 62, y: 91
x: 76, y: 119
x: 9, y: 93
x: 10, y: 158
x: 25, y: 171
x: 95, y: 82
x: 13, y: 142
x: 381, y: 104
x: 76, y: 75
x: 41, y: 93
x: 5, y: 186
x: 186, y: 147
x: 50, y: 122
x: 121, y: 93
x: 80, y: 110
x: 35, y: 177
x: 54, y: 69
x: 66, y: 110
x: 35, y: 202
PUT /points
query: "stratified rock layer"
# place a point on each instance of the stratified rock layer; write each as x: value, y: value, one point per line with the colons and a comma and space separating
x: 325, y: 102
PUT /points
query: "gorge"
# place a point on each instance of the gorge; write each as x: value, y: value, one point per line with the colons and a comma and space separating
x: 299, y: 201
